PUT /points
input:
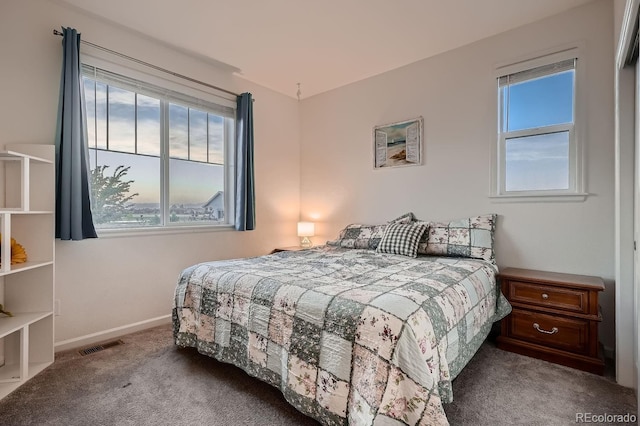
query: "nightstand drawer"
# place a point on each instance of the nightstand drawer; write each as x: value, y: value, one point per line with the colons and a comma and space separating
x: 569, y: 334
x: 566, y: 299
x: 554, y: 317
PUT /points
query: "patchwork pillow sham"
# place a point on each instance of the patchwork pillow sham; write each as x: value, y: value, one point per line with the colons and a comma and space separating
x: 405, y: 218
x: 402, y: 238
x: 471, y: 237
x: 359, y: 236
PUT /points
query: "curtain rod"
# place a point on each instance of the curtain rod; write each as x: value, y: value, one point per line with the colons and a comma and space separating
x: 155, y: 67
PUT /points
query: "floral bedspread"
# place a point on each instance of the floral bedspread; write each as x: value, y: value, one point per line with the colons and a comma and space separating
x: 349, y: 336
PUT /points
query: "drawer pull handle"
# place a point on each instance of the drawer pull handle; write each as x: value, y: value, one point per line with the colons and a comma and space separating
x: 545, y: 296
x: 554, y: 330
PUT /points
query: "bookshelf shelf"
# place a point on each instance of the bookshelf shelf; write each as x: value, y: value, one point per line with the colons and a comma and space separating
x: 27, y: 205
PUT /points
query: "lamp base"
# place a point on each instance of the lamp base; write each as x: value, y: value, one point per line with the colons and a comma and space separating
x: 306, y: 242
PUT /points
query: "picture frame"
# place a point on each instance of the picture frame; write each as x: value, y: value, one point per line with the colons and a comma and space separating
x: 398, y: 144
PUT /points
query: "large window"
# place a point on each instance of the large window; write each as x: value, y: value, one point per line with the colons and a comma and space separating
x: 157, y: 156
x: 537, y: 145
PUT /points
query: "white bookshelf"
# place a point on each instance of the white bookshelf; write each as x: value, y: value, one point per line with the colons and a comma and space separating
x: 27, y: 204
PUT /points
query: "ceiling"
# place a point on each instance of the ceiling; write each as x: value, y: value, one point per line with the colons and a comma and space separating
x: 319, y: 44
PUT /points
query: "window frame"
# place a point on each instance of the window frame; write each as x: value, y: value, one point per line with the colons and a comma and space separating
x: 130, y: 70
x: 576, y: 188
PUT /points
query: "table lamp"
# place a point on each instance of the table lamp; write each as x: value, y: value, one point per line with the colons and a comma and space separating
x: 306, y: 230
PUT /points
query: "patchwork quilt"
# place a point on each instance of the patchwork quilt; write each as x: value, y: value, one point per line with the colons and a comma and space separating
x: 349, y: 336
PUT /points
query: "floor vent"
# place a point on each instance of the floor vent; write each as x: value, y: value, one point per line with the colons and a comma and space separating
x: 98, y: 348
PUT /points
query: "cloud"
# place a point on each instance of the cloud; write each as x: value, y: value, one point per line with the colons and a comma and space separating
x: 132, y: 118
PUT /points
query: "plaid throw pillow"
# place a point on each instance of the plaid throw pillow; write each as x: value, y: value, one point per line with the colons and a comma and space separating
x: 401, y: 238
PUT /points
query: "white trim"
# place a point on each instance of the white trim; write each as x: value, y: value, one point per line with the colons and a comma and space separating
x: 537, y: 196
x: 537, y: 131
x: 577, y: 185
x: 624, y: 227
x: 627, y: 36
x: 111, y: 333
x: 157, y: 230
x: 626, y: 339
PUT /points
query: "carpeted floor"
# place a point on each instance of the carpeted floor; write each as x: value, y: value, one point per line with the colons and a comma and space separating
x: 148, y: 381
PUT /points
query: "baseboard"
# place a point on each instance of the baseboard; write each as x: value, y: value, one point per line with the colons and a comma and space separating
x: 100, y: 336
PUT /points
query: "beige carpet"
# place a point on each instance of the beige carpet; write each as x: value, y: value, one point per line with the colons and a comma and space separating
x: 148, y: 381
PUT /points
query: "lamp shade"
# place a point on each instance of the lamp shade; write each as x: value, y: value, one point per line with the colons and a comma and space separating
x: 306, y: 229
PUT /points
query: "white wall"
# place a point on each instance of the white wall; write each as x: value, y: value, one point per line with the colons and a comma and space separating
x: 111, y: 283
x: 455, y: 92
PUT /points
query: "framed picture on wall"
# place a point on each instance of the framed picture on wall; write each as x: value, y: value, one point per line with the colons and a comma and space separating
x: 398, y: 144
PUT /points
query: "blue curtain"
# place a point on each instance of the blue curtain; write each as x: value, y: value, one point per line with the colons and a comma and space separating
x: 245, y: 196
x: 73, y: 207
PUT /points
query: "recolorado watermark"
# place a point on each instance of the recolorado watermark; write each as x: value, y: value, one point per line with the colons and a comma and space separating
x: 605, y: 418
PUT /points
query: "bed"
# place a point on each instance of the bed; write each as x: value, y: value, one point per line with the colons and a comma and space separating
x: 349, y: 335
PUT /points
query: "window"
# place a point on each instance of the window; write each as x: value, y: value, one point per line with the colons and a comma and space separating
x: 538, y: 152
x: 157, y: 156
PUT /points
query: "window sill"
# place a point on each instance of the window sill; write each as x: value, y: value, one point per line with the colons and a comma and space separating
x: 151, y: 231
x: 536, y: 198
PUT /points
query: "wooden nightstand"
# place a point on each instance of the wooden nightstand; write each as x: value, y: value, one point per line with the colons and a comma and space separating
x: 291, y: 248
x: 555, y: 317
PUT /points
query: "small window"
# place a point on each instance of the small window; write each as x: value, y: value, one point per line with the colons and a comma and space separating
x: 157, y: 157
x: 537, y: 146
